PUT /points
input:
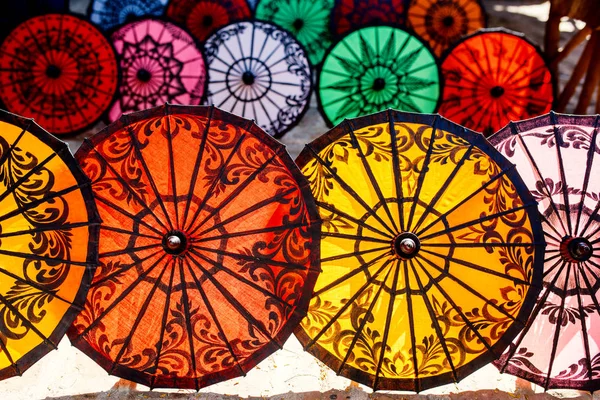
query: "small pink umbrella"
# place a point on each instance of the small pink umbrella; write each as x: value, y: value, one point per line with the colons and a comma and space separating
x: 160, y: 63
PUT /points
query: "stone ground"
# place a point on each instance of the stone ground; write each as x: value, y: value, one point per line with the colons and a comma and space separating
x: 67, y: 374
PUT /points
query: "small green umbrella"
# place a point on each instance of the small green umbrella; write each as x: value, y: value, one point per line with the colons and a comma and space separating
x: 376, y: 68
x: 307, y: 20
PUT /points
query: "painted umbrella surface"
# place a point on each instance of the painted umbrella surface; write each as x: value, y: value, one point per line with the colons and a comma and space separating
x: 374, y: 69
x: 350, y: 15
x: 203, y: 17
x: 259, y: 71
x: 14, y: 12
x: 160, y: 63
x: 558, y: 157
x: 441, y: 23
x: 109, y: 14
x: 60, y: 70
x: 307, y: 20
x: 48, y: 242
x: 493, y: 77
x: 431, y: 251
x: 208, y: 247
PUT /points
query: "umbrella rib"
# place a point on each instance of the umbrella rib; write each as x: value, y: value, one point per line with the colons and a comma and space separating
x: 552, y: 227
x: 444, y: 187
x: 230, y: 235
x: 432, y: 316
x: 35, y: 285
x: 356, y: 145
x: 397, y: 171
x: 332, y: 209
x: 588, y: 170
x: 128, y: 232
x: 4, y: 349
x: 213, y: 315
x: 188, y: 320
x: 129, y: 250
x: 346, y: 305
x: 423, y: 173
x: 13, y: 145
x: 27, y: 322
x: 354, y: 237
x: 124, y: 268
x: 411, y: 323
x: 483, y: 244
x: 582, y: 320
x: 466, y: 199
x: 46, y: 259
x: 558, y: 142
x: 142, y: 161
x: 363, y: 322
x: 349, y: 190
x: 127, y: 214
x: 591, y: 219
x: 588, y: 286
x: 47, y: 228
x: 172, y: 165
x: 354, y: 254
x: 139, y: 318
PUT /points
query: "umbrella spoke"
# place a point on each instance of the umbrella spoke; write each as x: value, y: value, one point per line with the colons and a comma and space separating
x: 32, y: 231
x: 124, y: 268
x: 358, y: 238
x: 558, y: 236
x: 411, y: 324
x: 588, y: 169
x: 251, y: 232
x: 561, y: 168
x: 188, y: 320
x: 355, y: 254
x: 358, y: 222
x: 169, y: 135
x: 125, y: 213
x: 37, y: 286
x: 129, y: 250
x: 15, y: 311
x: 52, y: 260
x: 129, y: 232
x: 396, y: 169
x: 582, y: 321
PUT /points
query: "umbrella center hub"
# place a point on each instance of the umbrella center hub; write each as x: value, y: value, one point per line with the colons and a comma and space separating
x: 379, y: 84
x: 207, y: 20
x: 53, y: 72
x: 496, y: 91
x: 248, y: 78
x: 174, y: 242
x: 576, y: 249
x: 144, y: 75
x: 406, y: 245
x: 298, y: 24
x: 448, y: 21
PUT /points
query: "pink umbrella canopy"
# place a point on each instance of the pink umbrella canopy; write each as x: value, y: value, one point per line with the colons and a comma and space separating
x: 558, y: 157
x: 160, y: 63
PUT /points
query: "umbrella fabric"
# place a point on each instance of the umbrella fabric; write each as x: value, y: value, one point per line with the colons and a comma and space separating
x: 160, y: 63
x: 208, y: 247
x: 374, y: 69
x: 109, y: 14
x: 493, y: 77
x: 60, y: 70
x: 441, y: 23
x: 260, y: 72
x: 48, y: 242
x: 307, y: 20
x: 558, y: 157
x: 14, y: 12
x: 431, y: 251
x: 203, y: 17
x: 349, y: 15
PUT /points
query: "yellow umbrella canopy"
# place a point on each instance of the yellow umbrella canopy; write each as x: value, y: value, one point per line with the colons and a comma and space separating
x: 431, y: 251
x: 48, y: 242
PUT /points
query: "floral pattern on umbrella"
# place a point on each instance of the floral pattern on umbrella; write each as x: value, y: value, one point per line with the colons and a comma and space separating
x: 109, y: 14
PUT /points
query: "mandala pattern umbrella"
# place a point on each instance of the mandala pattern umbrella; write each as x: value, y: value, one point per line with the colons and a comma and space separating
x: 418, y: 213
x: 48, y: 242
x: 14, y: 12
x: 206, y: 262
x: 441, y: 23
x: 493, y: 77
x: 349, y: 15
x: 160, y: 63
x: 558, y: 157
x: 374, y: 69
x: 261, y: 72
x: 109, y: 14
x: 60, y: 70
x: 203, y: 17
x: 308, y: 20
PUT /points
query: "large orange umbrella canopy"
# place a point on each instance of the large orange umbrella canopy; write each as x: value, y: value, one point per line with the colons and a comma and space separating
x: 48, y: 242
x: 207, y: 247
x: 431, y: 251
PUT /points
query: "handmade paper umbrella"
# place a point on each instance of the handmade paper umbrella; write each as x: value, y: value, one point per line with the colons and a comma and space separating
x: 14, y: 12
x: 308, y: 20
x: 349, y: 15
x: 374, y: 69
x: 203, y: 17
x: 160, y: 63
x: 493, y: 77
x: 558, y: 157
x: 441, y: 23
x: 431, y: 251
x: 208, y: 247
x: 48, y: 242
x: 258, y: 71
x: 60, y: 70
x: 109, y: 14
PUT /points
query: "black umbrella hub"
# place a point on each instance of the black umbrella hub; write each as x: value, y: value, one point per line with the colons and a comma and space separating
x: 174, y: 242
x: 248, y: 78
x: 144, y: 75
x: 406, y: 245
x: 53, y: 72
x: 497, y: 91
x: 576, y: 249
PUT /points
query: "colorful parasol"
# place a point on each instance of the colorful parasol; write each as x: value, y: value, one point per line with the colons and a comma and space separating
x: 443, y: 22
x: 160, y: 63
x: 60, y: 70
x: 374, y: 69
x: 349, y: 15
x: 307, y: 20
x: 431, y: 251
x: 109, y: 14
x: 48, y: 242
x: 558, y: 157
x: 493, y: 77
x: 208, y: 247
x: 14, y: 12
x: 203, y: 17
x: 261, y: 72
